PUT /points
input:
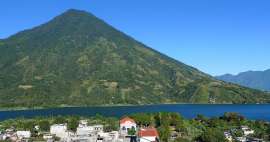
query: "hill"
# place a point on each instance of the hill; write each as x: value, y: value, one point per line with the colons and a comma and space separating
x: 253, y: 79
x: 77, y: 59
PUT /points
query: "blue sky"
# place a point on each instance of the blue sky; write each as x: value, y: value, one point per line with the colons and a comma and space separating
x: 215, y: 36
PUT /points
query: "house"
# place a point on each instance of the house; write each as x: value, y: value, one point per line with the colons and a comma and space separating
x: 148, y: 135
x: 13, y: 138
x: 175, y: 135
x: 83, y: 123
x: 126, y: 124
x: 2, y: 137
x: 47, y: 136
x: 110, y: 136
x: 247, y: 131
x: 241, y: 139
x: 59, y: 130
x: 228, y: 136
x: 255, y: 140
x: 23, y: 134
x: 114, y: 135
x: 80, y: 139
x: 37, y: 128
x: 98, y: 128
x: 84, y: 130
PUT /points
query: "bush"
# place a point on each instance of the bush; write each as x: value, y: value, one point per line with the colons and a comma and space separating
x: 212, y: 135
x: 44, y: 125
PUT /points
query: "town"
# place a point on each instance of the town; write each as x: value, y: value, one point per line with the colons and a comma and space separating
x: 161, y: 127
x: 86, y: 133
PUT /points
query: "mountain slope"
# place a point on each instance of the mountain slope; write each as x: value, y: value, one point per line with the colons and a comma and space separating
x: 253, y: 79
x: 77, y: 59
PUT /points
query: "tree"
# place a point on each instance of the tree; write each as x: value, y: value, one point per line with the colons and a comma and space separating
x: 180, y: 127
x: 164, y: 132
x: 212, y: 135
x: 132, y: 131
x: 237, y: 133
x: 157, y: 119
x: 201, y: 118
x: 165, y: 119
x: 233, y: 117
x: 143, y: 119
x: 181, y: 140
x: 73, y: 124
x: 25, y: 125
x: 216, y: 122
x: 44, y: 125
x: 59, y: 120
x: 175, y: 118
x: 112, y: 125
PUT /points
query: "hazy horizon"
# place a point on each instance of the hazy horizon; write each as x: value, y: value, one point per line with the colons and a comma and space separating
x: 215, y: 37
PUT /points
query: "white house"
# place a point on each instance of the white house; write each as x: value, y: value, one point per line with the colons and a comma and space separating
x: 98, y: 128
x: 23, y: 134
x: 37, y: 127
x: 247, y: 131
x: 110, y: 136
x: 47, y: 136
x: 228, y: 136
x: 241, y: 139
x: 114, y: 135
x: 2, y: 137
x: 127, y: 124
x: 84, y: 130
x: 60, y: 130
x: 148, y: 135
x: 83, y: 123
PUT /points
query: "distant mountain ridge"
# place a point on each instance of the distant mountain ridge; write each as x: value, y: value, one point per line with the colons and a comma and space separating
x: 77, y: 59
x: 253, y: 79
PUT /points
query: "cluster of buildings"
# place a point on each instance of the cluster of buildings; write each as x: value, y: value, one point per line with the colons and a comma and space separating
x: 247, y: 135
x: 13, y: 135
x: 84, y: 133
x: 128, y: 132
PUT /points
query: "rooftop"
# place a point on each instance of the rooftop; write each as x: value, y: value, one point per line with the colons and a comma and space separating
x: 125, y: 119
x: 152, y: 132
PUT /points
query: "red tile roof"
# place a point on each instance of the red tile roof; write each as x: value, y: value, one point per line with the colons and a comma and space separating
x: 148, y: 132
x: 125, y: 119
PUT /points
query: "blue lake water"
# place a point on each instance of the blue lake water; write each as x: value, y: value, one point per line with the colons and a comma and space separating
x: 254, y: 112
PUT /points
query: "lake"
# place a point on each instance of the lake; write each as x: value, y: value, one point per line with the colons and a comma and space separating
x: 254, y: 112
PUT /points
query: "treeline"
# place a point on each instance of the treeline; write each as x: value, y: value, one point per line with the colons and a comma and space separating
x: 201, y: 128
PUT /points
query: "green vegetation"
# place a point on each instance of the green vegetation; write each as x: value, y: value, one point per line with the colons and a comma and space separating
x: 132, y: 131
x: 44, y: 125
x: 73, y: 123
x: 212, y: 135
x: 78, y: 60
x: 201, y: 129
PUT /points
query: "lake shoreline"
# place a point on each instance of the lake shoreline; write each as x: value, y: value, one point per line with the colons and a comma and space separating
x: 116, y: 105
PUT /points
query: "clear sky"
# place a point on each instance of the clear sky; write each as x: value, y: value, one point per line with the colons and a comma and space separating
x: 215, y: 36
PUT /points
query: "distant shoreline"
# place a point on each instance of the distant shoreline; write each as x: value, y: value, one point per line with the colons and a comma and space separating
x: 117, y: 105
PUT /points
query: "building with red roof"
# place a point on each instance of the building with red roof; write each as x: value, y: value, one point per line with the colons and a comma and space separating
x: 127, y: 124
x: 148, y: 135
x: 126, y: 119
